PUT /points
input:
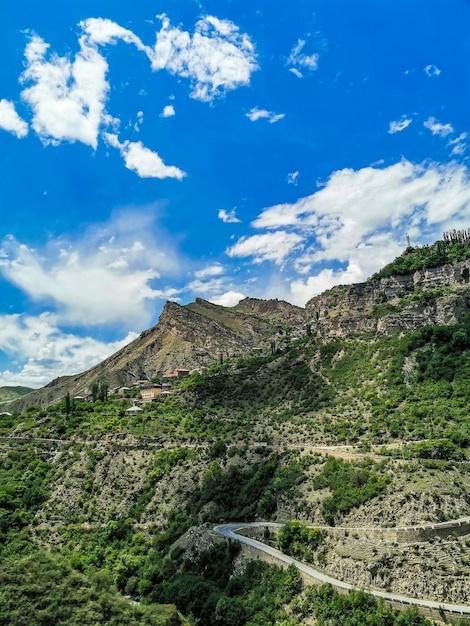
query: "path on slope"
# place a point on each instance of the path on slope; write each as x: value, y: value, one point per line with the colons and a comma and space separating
x: 230, y: 531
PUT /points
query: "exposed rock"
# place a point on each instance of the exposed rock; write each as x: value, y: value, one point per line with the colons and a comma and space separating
x: 354, y: 309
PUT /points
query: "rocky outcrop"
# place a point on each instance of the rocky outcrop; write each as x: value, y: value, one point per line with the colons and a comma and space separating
x: 275, y: 310
x: 437, y: 296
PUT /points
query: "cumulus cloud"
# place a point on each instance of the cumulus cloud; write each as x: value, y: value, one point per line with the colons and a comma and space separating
x: 216, y: 58
x: 228, y: 217
x: 230, y: 298
x: 67, y: 97
x: 68, y: 94
x: 399, y: 125
x: 356, y: 222
x: 442, y: 130
x: 256, y: 114
x: 46, y: 351
x: 143, y: 161
x: 213, y: 284
x: 299, y: 61
x: 100, y: 31
x: 111, y: 275
x: 266, y: 247
x: 432, y: 70
x: 11, y: 121
x: 211, y: 270
x: 168, y: 111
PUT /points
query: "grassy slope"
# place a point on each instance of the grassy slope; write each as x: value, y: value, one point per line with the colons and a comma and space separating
x: 9, y: 394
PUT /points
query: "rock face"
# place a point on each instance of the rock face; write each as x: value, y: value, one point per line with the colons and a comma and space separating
x: 392, y: 305
x: 274, y: 310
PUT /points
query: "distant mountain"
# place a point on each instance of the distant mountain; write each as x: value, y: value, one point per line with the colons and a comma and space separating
x: 9, y: 394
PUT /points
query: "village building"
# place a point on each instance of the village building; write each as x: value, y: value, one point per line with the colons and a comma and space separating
x: 150, y: 392
x: 179, y: 372
x: 134, y: 410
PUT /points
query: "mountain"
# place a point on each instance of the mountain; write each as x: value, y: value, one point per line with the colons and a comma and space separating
x: 9, y: 394
x: 187, y: 336
x: 410, y: 293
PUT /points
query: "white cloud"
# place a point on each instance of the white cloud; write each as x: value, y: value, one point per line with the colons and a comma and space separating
x: 46, y: 352
x: 267, y: 247
x: 357, y: 222
x: 107, y: 276
x: 230, y: 298
x: 442, y: 130
x: 142, y: 160
x: 211, y: 270
x: 299, y: 61
x: 139, y: 121
x: 432, y: 70
x: 67, y: 97
x: 458, y: 144
x: 206, y: 286
x: 168, y: 111
x: 256, y: 114
x: 293, y: 178
x: 228, y: 217
x: 11, y: 121
x: 399, y: 125
x: 216, y: 58
x: 363, y: 261
x: 99, y: 31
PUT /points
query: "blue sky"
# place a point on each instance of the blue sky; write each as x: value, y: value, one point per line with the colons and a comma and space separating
x: 221, y: 149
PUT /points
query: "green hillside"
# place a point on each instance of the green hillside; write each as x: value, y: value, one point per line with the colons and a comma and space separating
x: 9, y: 394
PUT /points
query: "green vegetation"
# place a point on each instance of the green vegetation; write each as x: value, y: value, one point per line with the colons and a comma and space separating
x: 10, y: 394
x: 331, y: 608
x: 350, y: 485
x: 41, y: 589
x: 24, y: 485
x: 296, y: 539
x: 442, y: 351
x: 100, y: 514
x: 440, y: 253
x: 214, y: 595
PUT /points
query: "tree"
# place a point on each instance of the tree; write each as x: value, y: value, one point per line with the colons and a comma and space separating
x: 67, y: 403
x: 230, y: 612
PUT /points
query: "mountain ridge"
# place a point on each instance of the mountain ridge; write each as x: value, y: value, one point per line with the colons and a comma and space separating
x: 199, y: 333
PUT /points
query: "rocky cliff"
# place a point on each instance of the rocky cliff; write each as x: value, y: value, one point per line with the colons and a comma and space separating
x: 393, y: 305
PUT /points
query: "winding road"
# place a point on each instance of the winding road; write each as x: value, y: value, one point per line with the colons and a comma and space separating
x: 230, y: 531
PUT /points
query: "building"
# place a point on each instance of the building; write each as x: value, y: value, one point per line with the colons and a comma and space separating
x: 134, y: 410
x: 179, y: 372
x: 150, y: 392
